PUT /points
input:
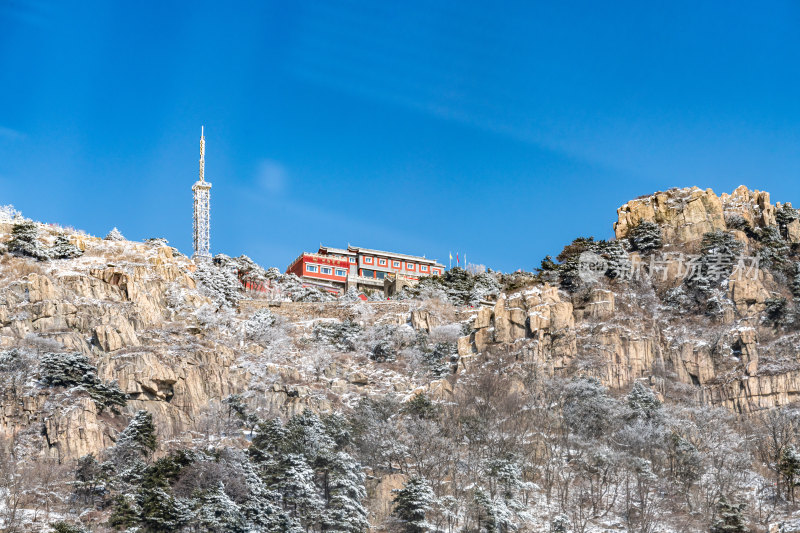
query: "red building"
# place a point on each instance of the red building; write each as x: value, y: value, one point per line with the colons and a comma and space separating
x: 323, y: 271
x: 338, y: 269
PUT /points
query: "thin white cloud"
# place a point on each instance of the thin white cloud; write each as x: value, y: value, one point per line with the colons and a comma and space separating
x: 272, y: 176
x: 8, y: 133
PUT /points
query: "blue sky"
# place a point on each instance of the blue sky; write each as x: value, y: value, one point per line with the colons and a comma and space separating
x: 500, y: 130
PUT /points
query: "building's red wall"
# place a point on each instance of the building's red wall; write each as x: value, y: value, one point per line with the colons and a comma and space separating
x: 299, y: 267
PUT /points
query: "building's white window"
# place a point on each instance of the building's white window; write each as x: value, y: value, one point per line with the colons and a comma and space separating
x: 437, y: 272
x: 382, y: 262
x: 311, y: 268
x: 423, y: 268
x: 326, y: 270
x: 352, y: 259
x: 409, y: 266
x: 396, y: 264
x: 340, y: 272
x: 368, y: 260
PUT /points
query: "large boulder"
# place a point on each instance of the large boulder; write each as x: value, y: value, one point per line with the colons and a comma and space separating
x: 684, y: 215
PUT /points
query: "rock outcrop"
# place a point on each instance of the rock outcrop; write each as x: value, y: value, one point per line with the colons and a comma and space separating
x: 684, y: 215
x: 605, y: 330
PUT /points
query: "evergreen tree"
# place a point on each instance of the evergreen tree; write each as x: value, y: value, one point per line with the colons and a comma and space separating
x: 237, y: 407
x: 785, y: 216
x: 160, y: 511
x: 295, y: 484
x: 730, y: 518
x: 413, y: 502
x: 338, y: 428
x: 219, y: 283
x: 645, y: 237
x: 485, y: 512
x: 66, y: 527
x: 420, y: 406
x: 789, y: 466
x: 773, y: 251
x: 75, y: 370
x: 306, y: 434
x: 114, y: 235
x: 560, y: 524
x: 140, y: 435
x: 87, y: 477
x: 686, y: 462
x: 260, y: 509
x: 345, y: 489
x: 217, y: 513
x: 269, y: 439
x: 124, y: 515
x: 63, y: 249
x: 588, y: 409
x: 643, y: 402
x: 25, y: 241
x: 795, y: 282
x: 718, y: 253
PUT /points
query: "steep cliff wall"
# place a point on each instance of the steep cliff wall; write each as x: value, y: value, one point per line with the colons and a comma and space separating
x: 621, y: 329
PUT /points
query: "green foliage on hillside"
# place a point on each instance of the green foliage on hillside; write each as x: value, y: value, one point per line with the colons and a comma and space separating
x: 75, y: 370
x: 456, y: 286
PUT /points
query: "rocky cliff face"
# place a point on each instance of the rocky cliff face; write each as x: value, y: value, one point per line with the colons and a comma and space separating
x: 177, y: 346
x: 136, y: 311
x: 621, y: 330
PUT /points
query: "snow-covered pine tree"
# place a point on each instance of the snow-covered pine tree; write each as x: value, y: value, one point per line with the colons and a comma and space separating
x: 306, y: 435
x: 344, y: 512
x: 160, y: 511
x: 257, y: 326
x: 65, y: 527
x: 560, y: 524
x: 413, y: 502
x: 74, y: 369
x: 730, y: 518
x: 66, y: 369
x: 63, y: 249
x: 124, y: 515
x: 87, y: 478
x: 645, y: 237
x: 795, y: 283
x: 295, y: 484
x: 338, y: 428
x: 773, y: 249
x: 218, y: 513
x: 156, y: 241
x: 25, y: 241
x: 260, y: 510
x: 352, y: 295
x: 218, y: 283
x: 238, y: 408
x: 643, y: 402
x: 140, y: 435
x: 789, y: 467
x: 8, y: 213
x: 114, y: 235
x: 588, y: 409
x: 269, y: 439
x: 785, y: 216
x: 484, y: 510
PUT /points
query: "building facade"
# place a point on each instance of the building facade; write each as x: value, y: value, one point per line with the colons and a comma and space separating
x: 338, y: 269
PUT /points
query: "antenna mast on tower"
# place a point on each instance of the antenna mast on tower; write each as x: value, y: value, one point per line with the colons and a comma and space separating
x: 202, y: 207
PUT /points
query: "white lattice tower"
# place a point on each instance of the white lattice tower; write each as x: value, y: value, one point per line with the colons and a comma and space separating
x: 202, y: 207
